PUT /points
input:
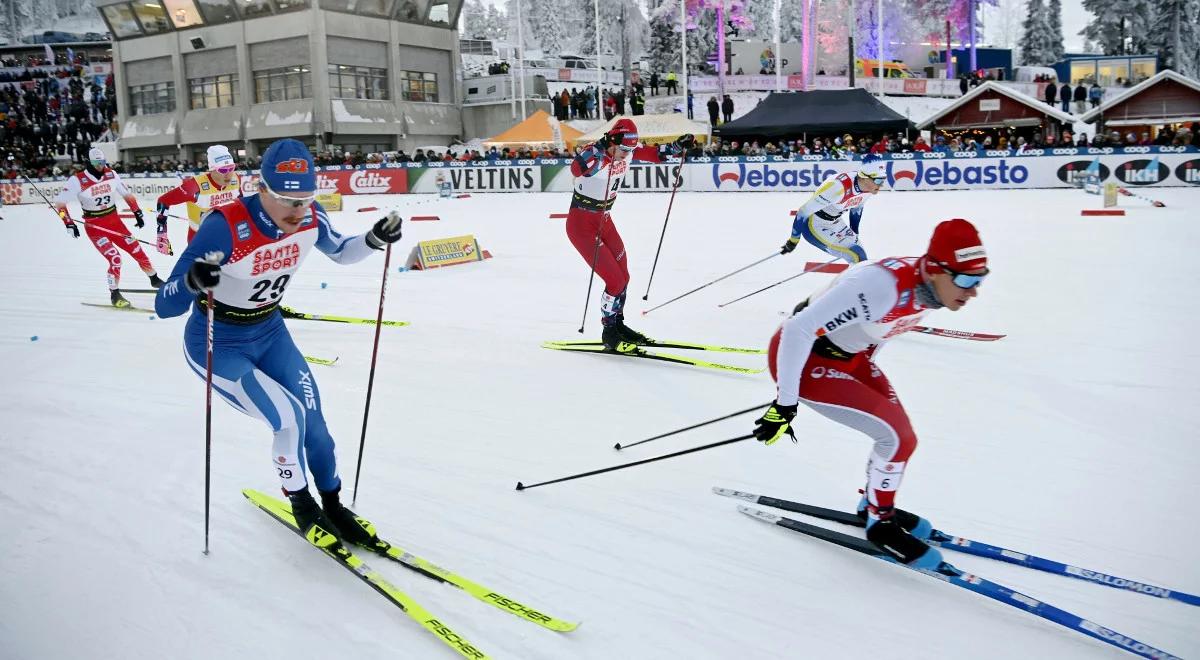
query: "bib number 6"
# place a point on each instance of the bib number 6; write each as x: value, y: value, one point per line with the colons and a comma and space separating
x: 268, y: 290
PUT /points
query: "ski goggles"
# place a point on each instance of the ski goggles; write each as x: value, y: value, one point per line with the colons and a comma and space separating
x: 294, y: 202
x: 964, y: 280
x: 226, y: 169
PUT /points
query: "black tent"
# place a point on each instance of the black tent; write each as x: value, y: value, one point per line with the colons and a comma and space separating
x: 817, y: 112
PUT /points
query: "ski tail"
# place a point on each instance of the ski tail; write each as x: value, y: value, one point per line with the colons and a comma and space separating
x: 648, y: 355
x: 957, y: 334
x: 972, y: 547
x: 289, y: 313
x: 281, y: 510
x: 668, y: 344
x: 336, y: 551
x: 982, y: 586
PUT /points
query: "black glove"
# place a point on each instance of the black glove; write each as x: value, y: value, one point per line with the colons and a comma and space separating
x: 387, y: 230
x: 774, y: 423
x: 789, y: 245
x: 139, y: 219
x: 684, y: 142
x: 602, y: 144
x: 68, y: 223
x: 205, y: 274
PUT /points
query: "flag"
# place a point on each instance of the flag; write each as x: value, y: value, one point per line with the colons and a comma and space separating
x: 49, y: 54
x: 70, y: 55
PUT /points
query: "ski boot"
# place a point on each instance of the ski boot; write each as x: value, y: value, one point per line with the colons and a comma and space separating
x: 617, y: 336
x: 350, y: 527
x: 314, y: 525
x: 155, y: 281
x: 118, y: 300
x: 909, y: 522
x: 885, y: 531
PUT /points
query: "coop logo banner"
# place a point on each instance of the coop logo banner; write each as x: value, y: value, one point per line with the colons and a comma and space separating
x: 1077, y: 172
x: 768, y: 176
x: 1143, y: 172
x: 964, y: 173
x: 1189, y: 171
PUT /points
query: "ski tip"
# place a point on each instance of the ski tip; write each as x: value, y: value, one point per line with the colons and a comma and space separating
x: 617, y: 446
x: 520, y: 486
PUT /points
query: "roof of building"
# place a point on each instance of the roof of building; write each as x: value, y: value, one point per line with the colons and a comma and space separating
x: 1005, y: 90
x: 1166, y: 74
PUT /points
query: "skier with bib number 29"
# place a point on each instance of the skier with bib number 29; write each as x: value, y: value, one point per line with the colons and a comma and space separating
x: 246, y: 252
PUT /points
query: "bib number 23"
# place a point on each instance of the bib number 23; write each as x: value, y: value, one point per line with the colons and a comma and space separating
x: 269, y: 290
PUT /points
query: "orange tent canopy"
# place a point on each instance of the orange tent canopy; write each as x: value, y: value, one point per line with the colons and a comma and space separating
x: 536, y: 130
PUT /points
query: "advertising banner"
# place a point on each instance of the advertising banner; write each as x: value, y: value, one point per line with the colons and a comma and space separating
x: 445, y: 252
x: 473, y: 178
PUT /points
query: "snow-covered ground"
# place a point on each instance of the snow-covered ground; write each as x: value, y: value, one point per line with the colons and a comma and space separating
x: 1073, y: 438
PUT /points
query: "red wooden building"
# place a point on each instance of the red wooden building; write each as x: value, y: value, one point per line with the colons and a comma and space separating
x: 1166, y: 99
x: 992, y: 108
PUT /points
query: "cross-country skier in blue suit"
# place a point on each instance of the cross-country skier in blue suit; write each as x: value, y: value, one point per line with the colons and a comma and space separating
x: 246, y: 253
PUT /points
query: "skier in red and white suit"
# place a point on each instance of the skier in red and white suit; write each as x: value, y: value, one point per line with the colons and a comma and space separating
x: 96, y: 189
x: 599, y: 170
x: 824, y: 356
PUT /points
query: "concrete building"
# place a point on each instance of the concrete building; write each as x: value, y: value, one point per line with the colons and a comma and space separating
x: 369, y: 75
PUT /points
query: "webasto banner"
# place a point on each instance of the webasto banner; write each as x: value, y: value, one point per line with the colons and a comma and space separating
x: 1062, y: 167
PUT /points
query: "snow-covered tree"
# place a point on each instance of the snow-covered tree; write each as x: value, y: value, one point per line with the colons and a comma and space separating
x: 551, y: 24
x: 483, y: 21
x: 1119, y: 27
x: 527, y: 39
x: 1056, y: 33
x: 1173, y: 35
x: 1037, y: 38
x: 663, y: 50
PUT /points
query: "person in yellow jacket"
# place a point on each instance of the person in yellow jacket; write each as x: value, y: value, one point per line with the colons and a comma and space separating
x: 202, y: 192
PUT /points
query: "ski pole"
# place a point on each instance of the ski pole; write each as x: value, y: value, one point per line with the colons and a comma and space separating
x: 1129, y: 193
x: 362, y: 441
x: 674, y: 188
x: 596, y: 252
x: 772, y: 256
x: 806, y: 271
x: 522, y: 486
x: 208, y: 389
x: 619, y: 446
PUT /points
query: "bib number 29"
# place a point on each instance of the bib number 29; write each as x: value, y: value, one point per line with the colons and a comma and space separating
x: 268, y: 290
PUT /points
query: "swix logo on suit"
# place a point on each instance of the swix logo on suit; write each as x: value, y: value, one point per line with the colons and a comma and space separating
x: 280, y: 258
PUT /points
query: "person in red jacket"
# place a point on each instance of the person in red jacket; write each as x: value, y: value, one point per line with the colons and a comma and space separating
x: 824, y: 357
x: 202, y: 193
x: 96, y: 189
x: 599, y: 170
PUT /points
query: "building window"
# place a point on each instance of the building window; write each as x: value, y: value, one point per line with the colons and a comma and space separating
x: 439, y: 12
x: 217, y: 11
x: 411, y: 11
x: 254, y: 8
x: 358, y: 82
x: 213, y: 91
x: 152, y: 16
x: 418, y: 86
x: 121, y: 21
x: 283, y: 84
x: 291, y: 5
x: 1142, y: 69
x: 152, y: 99
x: 183, y: 13
x: 367, y: 7
x: 365, y: 148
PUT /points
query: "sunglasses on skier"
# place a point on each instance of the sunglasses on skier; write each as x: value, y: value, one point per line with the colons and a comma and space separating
x: 964, y: 280
x: 294, y: 202
x: 226, y: 169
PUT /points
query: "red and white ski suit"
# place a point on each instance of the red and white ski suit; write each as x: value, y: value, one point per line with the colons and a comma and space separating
x: 595, y: 192
x: 824, y: 355
x: 98, y: 199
